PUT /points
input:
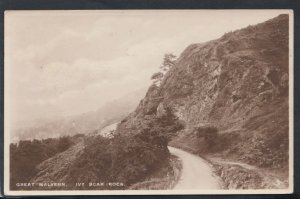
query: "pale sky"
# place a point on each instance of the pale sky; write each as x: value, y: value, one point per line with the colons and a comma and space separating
x: 60, y: 63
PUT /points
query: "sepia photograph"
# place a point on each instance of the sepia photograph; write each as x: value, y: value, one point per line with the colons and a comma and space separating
x: 110, y: 102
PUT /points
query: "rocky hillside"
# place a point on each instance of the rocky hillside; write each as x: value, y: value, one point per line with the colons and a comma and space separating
x: 239, y: 85
x: 236, y: 85
x: 226, y: 99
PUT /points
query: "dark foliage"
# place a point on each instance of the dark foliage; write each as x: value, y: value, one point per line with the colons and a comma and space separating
x: 126, y: 158
x: 122, y: 159
x: 209, y: 133
x: 27, y: 154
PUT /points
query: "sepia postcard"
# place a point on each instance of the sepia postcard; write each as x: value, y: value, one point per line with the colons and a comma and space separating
x: 117, y: 102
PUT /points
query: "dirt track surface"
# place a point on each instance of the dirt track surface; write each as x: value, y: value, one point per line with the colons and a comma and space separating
x: 196, y: 172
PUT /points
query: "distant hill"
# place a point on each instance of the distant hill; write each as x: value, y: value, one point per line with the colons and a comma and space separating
x: 85, y: 123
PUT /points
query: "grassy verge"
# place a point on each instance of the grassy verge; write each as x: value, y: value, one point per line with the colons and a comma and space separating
x: 164, y: 178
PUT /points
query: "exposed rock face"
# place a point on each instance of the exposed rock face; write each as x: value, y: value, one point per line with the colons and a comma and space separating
x: 238, y: 84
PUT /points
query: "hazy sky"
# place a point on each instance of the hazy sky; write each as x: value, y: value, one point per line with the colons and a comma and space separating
x: 60, y: 63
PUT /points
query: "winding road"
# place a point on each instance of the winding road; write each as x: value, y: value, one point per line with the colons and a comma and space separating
x: 196, y: 172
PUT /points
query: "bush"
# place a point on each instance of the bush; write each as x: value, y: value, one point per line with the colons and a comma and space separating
x: 64, y: 143
x: 209, y: 133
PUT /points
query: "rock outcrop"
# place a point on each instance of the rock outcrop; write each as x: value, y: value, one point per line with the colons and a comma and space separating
x: 237, y: 84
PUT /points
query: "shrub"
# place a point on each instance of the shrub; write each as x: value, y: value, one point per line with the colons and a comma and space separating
x: 209, y: 133
x: 64, y: 143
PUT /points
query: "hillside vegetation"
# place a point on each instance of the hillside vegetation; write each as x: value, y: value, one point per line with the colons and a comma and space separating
x: 28, y: 154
